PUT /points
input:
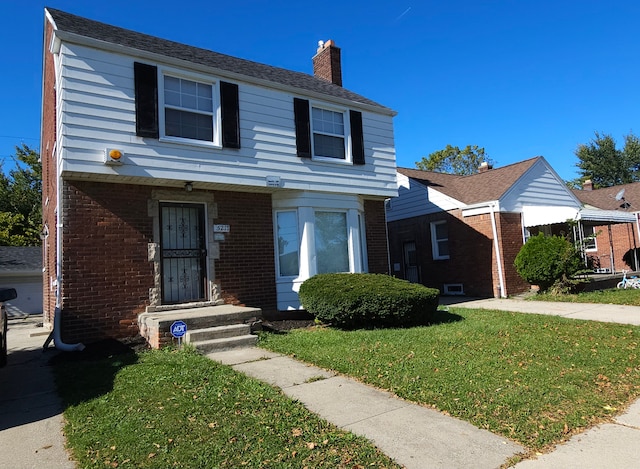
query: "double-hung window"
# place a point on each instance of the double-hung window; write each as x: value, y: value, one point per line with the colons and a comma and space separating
x: 440, y: 240
x: 328, y: 133
x: 189, y: 109
x: 186, y: 108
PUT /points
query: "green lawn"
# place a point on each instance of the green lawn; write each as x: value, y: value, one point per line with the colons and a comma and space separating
x: 167, y: 409
x: 614, y: 296
x: 533, y: 378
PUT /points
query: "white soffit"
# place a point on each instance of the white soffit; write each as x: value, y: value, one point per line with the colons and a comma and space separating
x: 547, y: 215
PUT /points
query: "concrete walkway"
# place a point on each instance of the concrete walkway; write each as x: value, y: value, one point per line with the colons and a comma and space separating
x: 416, y: 437
x: 30, y: 410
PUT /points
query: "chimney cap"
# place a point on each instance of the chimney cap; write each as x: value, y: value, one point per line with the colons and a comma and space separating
x: 324, y: 44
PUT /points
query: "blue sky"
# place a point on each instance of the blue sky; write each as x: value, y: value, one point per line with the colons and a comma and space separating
x: 520, y: 78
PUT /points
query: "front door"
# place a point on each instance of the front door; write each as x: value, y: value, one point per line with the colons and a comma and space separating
x: 183, y: 253
x: 411, y: 269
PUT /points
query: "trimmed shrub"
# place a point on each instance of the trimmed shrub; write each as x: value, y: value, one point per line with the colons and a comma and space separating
x: 547, y: 261
x: 367, y: 300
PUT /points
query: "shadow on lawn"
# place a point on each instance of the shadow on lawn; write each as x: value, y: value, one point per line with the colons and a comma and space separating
x: 443, y: 317
x: 82, y: 376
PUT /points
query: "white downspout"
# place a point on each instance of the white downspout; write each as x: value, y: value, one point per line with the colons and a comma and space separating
x: 57, y: 323
x: 496, y: 246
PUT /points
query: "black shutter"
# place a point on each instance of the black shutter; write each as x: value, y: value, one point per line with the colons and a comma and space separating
x: 357, y: 139
x: 230, y: 115
x: 146, y: 94
x: 303, y: 127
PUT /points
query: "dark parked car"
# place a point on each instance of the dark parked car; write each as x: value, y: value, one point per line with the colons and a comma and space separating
x: 6, y: 294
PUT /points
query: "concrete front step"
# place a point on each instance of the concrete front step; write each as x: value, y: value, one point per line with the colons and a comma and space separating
x: 225, y: 343
x: 155, y: 325
x: 218, y: 332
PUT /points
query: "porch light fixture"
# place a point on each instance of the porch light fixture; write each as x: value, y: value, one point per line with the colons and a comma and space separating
x: 188, y: 186
x: 113, y: 156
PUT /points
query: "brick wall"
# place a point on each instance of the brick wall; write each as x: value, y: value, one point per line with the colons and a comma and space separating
x: 377, y: 248
x: 509, y: 227
x: 472, y: 259
x: 49, y: 185
x: 246, y: 268
x: 106, y: 272
x: 624, y: 237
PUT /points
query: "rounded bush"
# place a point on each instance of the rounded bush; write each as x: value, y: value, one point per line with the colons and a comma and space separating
x: 546, y: 260
x: 367, y: 300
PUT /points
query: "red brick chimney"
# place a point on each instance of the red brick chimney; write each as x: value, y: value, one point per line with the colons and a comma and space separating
x: 327, y: 64
x: 484, y: 167
x: 587, y: 185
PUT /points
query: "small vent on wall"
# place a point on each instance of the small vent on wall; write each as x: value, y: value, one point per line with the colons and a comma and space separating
x: 453, y: 289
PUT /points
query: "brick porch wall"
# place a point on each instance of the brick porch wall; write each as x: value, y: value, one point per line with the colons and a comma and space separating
x: 106, y: 272
x: 509, y: 226
x: 376, y: 234
x: 246, y: 268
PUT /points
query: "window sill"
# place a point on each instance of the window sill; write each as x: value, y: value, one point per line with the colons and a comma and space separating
x: 332, y: 161
x: 191, y: 143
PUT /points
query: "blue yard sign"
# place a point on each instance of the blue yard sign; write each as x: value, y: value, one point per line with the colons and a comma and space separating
x: 178, y: 330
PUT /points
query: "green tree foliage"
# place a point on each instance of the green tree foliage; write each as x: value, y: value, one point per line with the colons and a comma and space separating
x: 547, y: 261
x: 454, y: 160
x: 20, y: 200
x: 606, y: 165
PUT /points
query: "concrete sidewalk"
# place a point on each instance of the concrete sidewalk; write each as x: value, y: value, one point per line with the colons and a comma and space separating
x: 30, y: 409
x: 592, y: 312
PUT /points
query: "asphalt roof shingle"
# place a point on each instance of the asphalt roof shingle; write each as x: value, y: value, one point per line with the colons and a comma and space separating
x: 20, y: 259
x: 473, y: 188
x: 85, y: 27
x: 605, y: 198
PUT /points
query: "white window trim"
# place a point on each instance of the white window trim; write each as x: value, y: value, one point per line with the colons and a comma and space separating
x: 348, y: 159
x: 217, y: 113
x: 434, y: 241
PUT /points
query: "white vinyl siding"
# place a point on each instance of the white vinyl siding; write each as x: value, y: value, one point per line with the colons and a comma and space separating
x: 97, y: 111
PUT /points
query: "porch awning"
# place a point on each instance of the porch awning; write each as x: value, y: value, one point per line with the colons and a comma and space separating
x: 547, y: 215
x: 605, y: 216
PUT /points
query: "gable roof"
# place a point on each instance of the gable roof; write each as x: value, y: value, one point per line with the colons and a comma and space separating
x: 76, y: 25
x: 605, y: 198
x: 474, y: 188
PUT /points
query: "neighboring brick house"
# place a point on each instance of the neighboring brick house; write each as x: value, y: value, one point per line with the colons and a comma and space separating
x: 461, y: 234
x: 173, y: 174
x: 611, y: 247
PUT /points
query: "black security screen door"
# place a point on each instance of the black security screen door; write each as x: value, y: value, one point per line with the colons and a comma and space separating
x: 183, y: 252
